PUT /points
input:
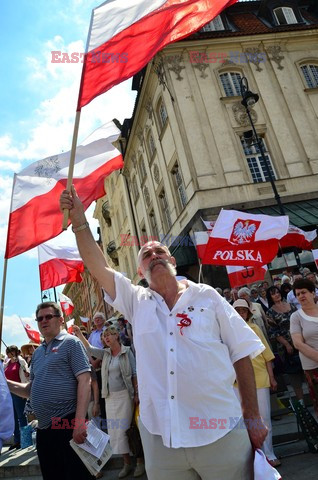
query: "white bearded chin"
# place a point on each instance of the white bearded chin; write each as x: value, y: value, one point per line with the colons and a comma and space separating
x: 171, y: 268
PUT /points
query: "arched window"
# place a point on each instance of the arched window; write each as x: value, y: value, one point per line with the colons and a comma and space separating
x: 285, y: 16
x: 162, y: 114
x: 179, y: 185
x: 231, y: 83
x: 256, y: 162
x: 310, y: 73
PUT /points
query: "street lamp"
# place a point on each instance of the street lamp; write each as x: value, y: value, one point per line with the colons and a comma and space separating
x: 249, y: 100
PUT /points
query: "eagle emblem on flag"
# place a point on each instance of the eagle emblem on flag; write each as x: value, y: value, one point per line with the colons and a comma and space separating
x: 244, y: 231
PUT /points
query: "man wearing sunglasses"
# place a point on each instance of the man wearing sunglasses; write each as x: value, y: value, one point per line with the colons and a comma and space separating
x: 187, y: 339
x: 59, y: 390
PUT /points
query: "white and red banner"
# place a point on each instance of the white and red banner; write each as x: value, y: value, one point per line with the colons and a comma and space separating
x: 33, y: 335
x: 201, y: 240
x: 244, y: 239
x: 66, y: 304
x: 125, y: 35
x: 315, y: 254
x: 59, y: 263
x: 239, y: 275
x: 69, y: 325
x: 209, y: 224
x: 84, y: 320
x: 35, y: 215
x: 298, y: 238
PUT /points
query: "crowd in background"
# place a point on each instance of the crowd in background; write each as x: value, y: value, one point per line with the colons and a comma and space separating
x: 284, y: 315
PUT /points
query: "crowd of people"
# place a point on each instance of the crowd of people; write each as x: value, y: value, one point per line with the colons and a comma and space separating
x: 201, y: 362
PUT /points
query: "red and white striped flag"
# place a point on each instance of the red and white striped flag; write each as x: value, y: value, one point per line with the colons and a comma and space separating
x: 125, y: 35
x: 239, y: 275
x: 84, y: 320
x: 296, y: 237
x: 66, y: 304
x: 69, y: 325
x: 201, y: 240
x: 59, y: 263
x: 245, y: 239
x: 33, y: 335
x: 35, y: 215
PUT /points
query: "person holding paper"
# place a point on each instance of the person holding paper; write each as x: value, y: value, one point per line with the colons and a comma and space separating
x: 59, y: 391
x: 190, y: 344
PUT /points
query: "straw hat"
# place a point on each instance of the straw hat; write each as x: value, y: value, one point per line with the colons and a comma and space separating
x: 242, y: 303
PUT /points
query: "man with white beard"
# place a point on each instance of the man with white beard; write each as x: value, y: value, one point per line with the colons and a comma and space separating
x: 187, y: 339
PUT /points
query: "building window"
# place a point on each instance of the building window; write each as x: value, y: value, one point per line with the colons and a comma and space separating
x: 134, y: 189
x: 162, y: 114
x: 151, y: 144
x: 214, y: 25
x: 256, y: 163
x: 142, y: 169
x: 179, y: 185
x: 153, y: 225
x: 310, y: 73
x: 165, y: 210
x: 231, y: 83
x: 285, y: 16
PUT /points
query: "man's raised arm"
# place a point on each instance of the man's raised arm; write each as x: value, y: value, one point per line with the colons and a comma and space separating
x: 90, y: 252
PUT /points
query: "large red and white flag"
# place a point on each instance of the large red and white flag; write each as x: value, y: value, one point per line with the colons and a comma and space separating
x: 35, y: 215
x: 244, y: 275
x: 245, y: 239
x: 201, y: 240
x: 33, y: 335
x: 298, y: 238
x: 315, y: 254
x: 69, y: 325
x: 66, y: 304
x: 59, y: 263
x: 125, y: 35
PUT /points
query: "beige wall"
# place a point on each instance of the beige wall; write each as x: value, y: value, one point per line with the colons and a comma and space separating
x: 203, y: 134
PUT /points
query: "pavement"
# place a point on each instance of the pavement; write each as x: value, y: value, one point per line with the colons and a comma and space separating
x: 289, y: 445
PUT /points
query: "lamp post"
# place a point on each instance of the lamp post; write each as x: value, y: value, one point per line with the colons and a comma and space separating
x: 249, y: 100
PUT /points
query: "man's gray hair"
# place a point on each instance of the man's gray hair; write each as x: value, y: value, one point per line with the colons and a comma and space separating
x: 244, y: 291
x: 99, y: 314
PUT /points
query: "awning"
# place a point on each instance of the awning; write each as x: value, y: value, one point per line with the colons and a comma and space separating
x: 301, y: 214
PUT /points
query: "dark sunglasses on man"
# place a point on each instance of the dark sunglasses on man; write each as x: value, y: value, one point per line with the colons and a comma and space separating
x: 49, y: 316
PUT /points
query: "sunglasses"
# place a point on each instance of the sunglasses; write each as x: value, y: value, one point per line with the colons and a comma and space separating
x: 49, y: 316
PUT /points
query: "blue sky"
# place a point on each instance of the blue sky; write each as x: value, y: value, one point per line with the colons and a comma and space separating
x: 38, y: 100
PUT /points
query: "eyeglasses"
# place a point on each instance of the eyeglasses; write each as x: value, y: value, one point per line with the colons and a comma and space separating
x: 49, y: 316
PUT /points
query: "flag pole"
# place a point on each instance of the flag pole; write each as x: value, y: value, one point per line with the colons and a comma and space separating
x: 5, y: 267
x: 4, y: 279
x: 71, y: 166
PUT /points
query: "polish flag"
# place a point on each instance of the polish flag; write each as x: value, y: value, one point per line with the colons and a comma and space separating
x: 33, y: 335
x: 239, y: 275
x: 315, y: 254
x: 35, y: 215
x: 84, y: 320
x: 298, y: 238
x: 59, y: 263
x: 66, y: 304
x: 209, y: 224
x: 245, y: 239
x: 125, y: 35
x: 201, y: 240
x: 69, y: 325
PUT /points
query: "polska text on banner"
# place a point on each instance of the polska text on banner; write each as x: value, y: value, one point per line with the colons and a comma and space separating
x: 240, y: 238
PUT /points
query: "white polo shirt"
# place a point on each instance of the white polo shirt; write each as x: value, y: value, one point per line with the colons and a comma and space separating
x: 185, y: 375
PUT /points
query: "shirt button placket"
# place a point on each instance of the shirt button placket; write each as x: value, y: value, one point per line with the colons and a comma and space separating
x: 171, y: 373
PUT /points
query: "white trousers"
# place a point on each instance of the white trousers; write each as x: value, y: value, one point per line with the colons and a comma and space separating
x: 229, y: 458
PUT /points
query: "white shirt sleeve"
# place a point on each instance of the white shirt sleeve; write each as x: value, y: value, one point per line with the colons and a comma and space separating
x: 235, y: 333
